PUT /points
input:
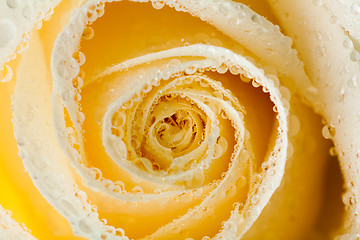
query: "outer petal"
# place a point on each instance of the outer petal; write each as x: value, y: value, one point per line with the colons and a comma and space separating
x: 333, y: 64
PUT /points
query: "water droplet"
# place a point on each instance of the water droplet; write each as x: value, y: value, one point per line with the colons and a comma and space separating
x: 222, y: 68
x: 68, y: 69
x: 220, y: 147
x: 255, y: 18
x: 12, y: 3
x: 137, y: 189
x: 233, y: 21
x: 147, y: 88
x: 128, y: 104
x: 255, y: 83
x: 241, y: 182
x: 7, y: 32
x: 159, y: 4
x: 100, y: 12
x: 95, y: 173
x: 256, y: 178
x: 88, y: 33
x: 120, y: 232
x: 349, y: 198
x: 48, y: 14
x: 354, y: 82
x: 235, y: 69
x: 81, y: 117
x: 341, y: 96
x: 190, y: 70
x: 354, y: 56
x: 217, y: 94
x: 77, y: 97
x: 276, y: 28
x: 79, y: 57
x: 118, y: 119
x: 92, y: 14
x: 312, y: 93
x: 77, y: 82
x: 20, y: 141
x: 38, y: 25
x: 355, y: 8
x: 285, y: 92
x: 118, y: 186
x: 255, y: 200
x: 244, y: 78
x: 332, y: 151
x: 6, y: 73
x: 274, y: 78
x: 328, y: 131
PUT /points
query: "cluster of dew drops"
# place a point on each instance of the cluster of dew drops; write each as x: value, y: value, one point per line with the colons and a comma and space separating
x: 9, y: 32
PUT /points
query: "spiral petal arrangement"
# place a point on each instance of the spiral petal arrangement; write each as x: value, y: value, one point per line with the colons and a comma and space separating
x: 177, y: 132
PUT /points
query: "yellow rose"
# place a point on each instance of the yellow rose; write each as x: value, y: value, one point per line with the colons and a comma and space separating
x: 180, y: 119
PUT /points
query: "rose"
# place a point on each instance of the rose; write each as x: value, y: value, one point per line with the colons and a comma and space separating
x: 292, y: 76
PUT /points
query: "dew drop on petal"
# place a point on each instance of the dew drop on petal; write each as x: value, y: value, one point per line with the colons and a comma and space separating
x: 255, y: 200
x: 341, y: 95
x: 118, y: 119
x: 355, y: 8
x: 190, y: 70
x: 255, y: 83
x: 222, y: 68
x: 12, y: 3
x: 354, y: 82
x: 79, y: 57
x: 88, y: 33
x: 233, y: 21
x: 244, y: 78
x: 6, y: 73
x: 332, y: 151
x: 77, y: 82
x: 312, y: 93
x: 159, y: 4
x: 235, y: 70
x: 7, y: 32
x: 328, y: 131
x: 354, y: 56
x: 81, y: 117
